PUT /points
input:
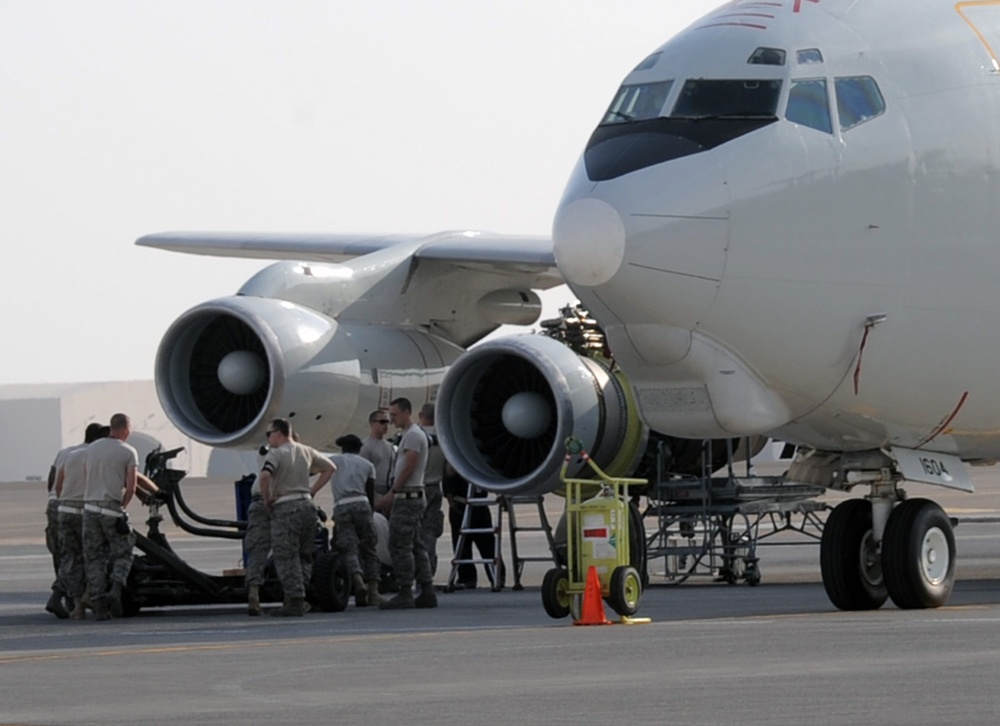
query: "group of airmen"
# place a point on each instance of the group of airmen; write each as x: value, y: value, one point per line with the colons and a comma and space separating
x: 91, y: 484
x: 87, y: 530
x: 402, y: 482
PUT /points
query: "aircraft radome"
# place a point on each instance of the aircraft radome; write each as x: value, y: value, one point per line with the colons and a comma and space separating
x: 785, y: 225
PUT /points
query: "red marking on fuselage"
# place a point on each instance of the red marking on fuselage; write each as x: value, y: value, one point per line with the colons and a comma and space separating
x: 944, y: 424
x: 769, y: 16
x: 719, y: 21
x: 734, y: 25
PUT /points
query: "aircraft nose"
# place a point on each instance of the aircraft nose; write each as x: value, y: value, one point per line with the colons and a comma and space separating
x: 651, y: 244
x: 588, y: 236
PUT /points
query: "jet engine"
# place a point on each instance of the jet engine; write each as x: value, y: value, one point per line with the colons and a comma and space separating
x: 506, y: 407
x: 226, y: 367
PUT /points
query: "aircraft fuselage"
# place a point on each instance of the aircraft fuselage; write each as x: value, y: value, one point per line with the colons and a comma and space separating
x: 787, y: 224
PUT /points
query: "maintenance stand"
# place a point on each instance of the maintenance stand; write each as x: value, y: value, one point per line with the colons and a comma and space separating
x: 711, y: 526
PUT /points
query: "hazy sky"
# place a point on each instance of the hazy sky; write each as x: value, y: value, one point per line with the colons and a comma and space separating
x: 123, y: 118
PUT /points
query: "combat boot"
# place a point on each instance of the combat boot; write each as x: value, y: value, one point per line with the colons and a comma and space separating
x: 360, y: 590
x: 115, y: 600
x: 292, y: 607
x: 55, y: 605
x: 427, y: 597
x: 403, y: 600
x: 101, y: 608
x: 253, y: 600
x: 373, y: 595
x: 85, y: 599
x: 78, y: 612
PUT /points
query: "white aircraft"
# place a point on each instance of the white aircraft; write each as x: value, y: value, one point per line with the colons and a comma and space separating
x: 786, y: 224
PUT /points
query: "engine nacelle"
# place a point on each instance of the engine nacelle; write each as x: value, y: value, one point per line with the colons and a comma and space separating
x: 227, y: 367
x: 506, y: 407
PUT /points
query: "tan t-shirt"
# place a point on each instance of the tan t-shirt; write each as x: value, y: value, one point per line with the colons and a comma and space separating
x: 291, y: 465
x: 108, y: 461
x: 414, y: 439
x: 74, y: 469
x: 60, y: 461
x: 379, y: 452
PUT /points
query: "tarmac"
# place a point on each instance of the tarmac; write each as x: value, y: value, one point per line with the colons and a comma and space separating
x: 778, y: 653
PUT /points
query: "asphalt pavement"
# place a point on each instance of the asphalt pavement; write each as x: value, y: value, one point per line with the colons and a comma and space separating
x: 777, y: 653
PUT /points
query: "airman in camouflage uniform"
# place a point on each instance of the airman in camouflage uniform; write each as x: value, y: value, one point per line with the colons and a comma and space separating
x: 378, y: 451
x: 71, y: 485
x: 352, y: 516
x: 284, y: 484
x: 52, y: 540
x: 111, y: 480
x: 433, y: 519
x: 257, y: 544
x: 405, y: 499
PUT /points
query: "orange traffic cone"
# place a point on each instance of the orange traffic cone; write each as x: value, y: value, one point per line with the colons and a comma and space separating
x: 593, y: 605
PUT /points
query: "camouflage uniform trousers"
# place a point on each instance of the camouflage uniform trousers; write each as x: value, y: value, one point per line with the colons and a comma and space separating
x: 71, y: 571
x: 293, y: 539
x: 257, y: 541
x: 406, y: 543
x: 102, y: 544
x: 433, y: 523
x: 52, y: 539
x: 356, y: 538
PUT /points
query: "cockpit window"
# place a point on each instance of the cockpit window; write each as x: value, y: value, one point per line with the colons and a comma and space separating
x: 809, y: 55
x: 638, y: 102
x: 858, y: 100
x: 712, y: 98
x: 809, y: 105
x: 767, y: 57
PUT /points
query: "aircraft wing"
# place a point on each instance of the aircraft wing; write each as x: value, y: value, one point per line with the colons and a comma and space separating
x: 472, y: 250
x: 402, y: 277
x: 302, y: 247
x: 487, y: 248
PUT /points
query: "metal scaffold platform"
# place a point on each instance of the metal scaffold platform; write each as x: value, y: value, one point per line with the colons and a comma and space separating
x: 711, y: 526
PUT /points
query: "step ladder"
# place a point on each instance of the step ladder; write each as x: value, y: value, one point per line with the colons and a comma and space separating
x: 467, y: 531
x: 503, y: 504
x: 508, y: 504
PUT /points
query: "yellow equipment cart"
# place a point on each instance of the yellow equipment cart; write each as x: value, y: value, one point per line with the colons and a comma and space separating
x: 597, y: 534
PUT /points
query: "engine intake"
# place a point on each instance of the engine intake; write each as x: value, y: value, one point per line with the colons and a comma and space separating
x: 221, y: 367
x: 506, y: 407
x: 228, y: 366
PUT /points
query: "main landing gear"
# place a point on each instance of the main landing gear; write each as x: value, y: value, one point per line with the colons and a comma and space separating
x: 878, y: 548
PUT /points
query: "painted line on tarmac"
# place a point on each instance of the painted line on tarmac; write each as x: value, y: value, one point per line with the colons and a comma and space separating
x: 249, y: 644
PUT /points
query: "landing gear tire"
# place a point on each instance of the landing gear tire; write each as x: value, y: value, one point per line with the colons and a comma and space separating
x: 849, y: 558
x: 918, y: 555
x: 624, y: 590
x: 555, y: 593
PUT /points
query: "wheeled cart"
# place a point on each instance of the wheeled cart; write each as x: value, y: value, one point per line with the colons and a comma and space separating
x: 160, y: 577
x: 597, y: 535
